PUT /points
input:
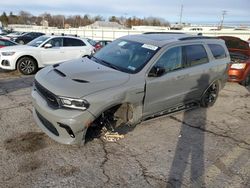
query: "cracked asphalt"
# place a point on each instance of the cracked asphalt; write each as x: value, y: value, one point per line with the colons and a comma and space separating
x: 196, y: 148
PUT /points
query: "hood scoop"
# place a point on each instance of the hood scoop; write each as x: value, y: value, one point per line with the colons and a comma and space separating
x: 80, y: 81
x: 60, y: 73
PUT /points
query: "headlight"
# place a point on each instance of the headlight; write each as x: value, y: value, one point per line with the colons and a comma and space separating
x: 74, y: 103
x: 8, y: 53
x: 238, y: 65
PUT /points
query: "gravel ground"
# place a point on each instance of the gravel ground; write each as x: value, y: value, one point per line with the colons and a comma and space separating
x: 196, y: 148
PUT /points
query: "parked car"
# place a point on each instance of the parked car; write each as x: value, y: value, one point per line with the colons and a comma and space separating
x: 240, y: 55
x: 94, y: 44
x: 237, y: 45
x: 130, y: 80
x: 15, y: 34
x: 5, y: 42
x: 239, y: 69
x: 26, y: 37
x: 43, y: 51
x: 103, y: 42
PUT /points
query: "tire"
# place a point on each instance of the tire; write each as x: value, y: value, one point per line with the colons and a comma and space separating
x: 210, y: 96
x: 27, y: 66
x: 246, y: 82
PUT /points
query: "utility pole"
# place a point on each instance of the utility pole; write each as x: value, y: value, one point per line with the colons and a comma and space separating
x: 224, y: 12
x: 181, y: 15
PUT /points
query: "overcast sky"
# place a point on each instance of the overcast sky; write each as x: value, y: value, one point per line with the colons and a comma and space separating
x: 193, y: 10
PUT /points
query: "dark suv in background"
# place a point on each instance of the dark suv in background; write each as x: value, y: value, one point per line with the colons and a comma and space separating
x: 27, y: 37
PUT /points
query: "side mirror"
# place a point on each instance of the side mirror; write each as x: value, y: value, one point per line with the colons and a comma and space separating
x: 48, y: 45
x: 156, y: 71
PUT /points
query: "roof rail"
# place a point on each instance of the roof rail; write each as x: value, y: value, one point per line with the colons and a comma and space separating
x: 158, y: 32
x: 63, y: 34
x: 196, y: 37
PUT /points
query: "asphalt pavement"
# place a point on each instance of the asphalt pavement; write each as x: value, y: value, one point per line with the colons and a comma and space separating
x: 197, y: 148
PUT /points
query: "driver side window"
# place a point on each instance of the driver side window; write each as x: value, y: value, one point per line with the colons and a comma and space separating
x: 171, y: 60
x: 55, y: 42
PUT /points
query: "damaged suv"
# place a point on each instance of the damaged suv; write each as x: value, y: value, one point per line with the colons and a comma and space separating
x: 132, y: 79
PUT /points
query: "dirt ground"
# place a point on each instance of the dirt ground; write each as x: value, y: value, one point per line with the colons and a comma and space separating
x: 197, y: 148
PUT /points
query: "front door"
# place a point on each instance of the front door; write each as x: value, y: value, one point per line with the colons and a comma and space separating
x: 180, y: 83
x: 53, y: 55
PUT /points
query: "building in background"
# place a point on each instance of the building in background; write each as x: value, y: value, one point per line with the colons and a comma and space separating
x: 105, y: 25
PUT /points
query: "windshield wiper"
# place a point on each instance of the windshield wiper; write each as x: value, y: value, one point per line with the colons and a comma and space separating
x: 106, y: 63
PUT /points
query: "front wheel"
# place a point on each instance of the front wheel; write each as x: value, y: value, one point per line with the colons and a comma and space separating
x: 209, y: 97
x: 27, y: 65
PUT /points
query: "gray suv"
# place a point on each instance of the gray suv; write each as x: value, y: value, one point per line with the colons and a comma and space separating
x: 132, y: 79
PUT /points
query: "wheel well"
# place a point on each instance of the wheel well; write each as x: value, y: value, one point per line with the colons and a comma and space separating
x: 113, y: 118
x: 122, y: 111
x: 27, y: 56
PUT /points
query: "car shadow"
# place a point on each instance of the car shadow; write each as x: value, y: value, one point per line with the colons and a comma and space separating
x: 189, y: 152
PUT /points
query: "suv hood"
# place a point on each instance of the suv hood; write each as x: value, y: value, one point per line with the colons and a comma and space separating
x: 79, y: 78
x: 17, y: 48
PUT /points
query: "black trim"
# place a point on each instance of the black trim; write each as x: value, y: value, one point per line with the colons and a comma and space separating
x: 47, y: 124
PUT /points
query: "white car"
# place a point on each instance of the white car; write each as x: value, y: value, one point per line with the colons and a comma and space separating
x: 43, y: 51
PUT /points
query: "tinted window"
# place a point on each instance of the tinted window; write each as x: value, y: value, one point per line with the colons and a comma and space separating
x: 2, y: 43
x: 6, y: 43
x: 55, y: 42
x: 73, y: 42
x: 217, y: 51
x: 171, y: 59
x: 195, y: 54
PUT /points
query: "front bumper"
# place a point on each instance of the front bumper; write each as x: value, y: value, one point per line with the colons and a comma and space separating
x: 50, y: 121
x: 10, y: 60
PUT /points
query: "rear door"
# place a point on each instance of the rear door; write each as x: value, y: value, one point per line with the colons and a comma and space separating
x: 74, y: 48
x: 185, y: 76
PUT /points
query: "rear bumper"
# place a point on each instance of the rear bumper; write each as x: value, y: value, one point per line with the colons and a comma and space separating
x: 65, y: 126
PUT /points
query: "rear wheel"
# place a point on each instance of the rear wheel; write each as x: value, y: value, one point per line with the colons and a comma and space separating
x: 246, y: 82
x: 209, y: 97
x: 27, y: 65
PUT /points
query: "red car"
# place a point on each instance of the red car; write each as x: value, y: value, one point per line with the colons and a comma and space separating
x: 239, y: 50
x: 5, y: 42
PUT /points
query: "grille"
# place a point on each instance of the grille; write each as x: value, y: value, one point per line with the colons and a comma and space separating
x: 47, y: 124
x: 51, y: 98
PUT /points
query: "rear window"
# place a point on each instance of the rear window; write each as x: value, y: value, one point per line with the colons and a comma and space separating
x: 195, y: 54
x: 217, y: 51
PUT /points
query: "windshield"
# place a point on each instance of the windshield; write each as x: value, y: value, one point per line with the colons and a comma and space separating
x: 126, y: 56
x: 36, y: 42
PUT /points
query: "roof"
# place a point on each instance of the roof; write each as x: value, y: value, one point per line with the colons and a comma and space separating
x: 161, y: 40
x: 156, y: 39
